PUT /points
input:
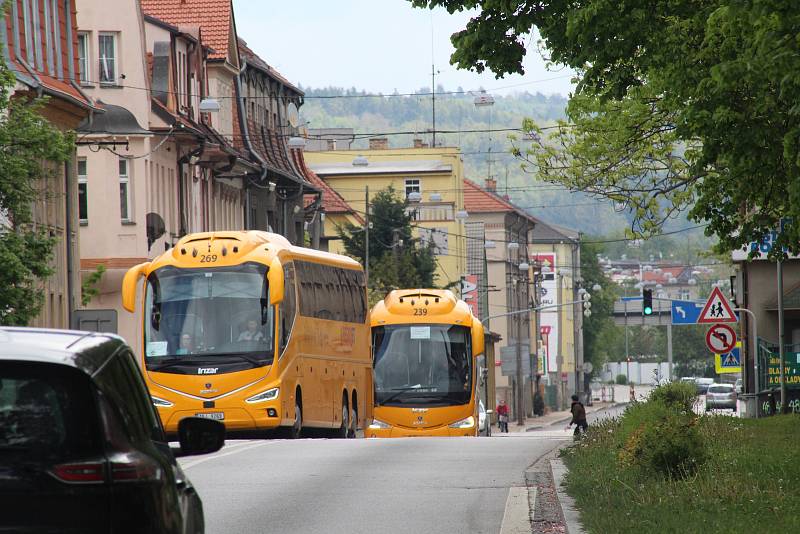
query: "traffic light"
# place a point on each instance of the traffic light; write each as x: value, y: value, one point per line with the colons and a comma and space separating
x: 647, y: 301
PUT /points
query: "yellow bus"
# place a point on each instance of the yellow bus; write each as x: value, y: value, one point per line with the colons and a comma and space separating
x: 425, y: 348
x: 245, y: 328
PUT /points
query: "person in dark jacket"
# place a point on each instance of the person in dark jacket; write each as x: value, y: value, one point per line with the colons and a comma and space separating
x: 578, y: 417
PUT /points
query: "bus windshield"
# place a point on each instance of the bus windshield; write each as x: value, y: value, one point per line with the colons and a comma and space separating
x: 422, y: 364
x: 211, y: 315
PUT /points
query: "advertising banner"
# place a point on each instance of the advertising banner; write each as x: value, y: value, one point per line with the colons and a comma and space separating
x: 469, y: 292
x: 548, y: 296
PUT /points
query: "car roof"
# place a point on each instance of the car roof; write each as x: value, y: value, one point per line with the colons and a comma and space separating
x: 86, y: 351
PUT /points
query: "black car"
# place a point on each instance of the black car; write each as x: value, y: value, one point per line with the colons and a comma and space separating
x: 81, y: 445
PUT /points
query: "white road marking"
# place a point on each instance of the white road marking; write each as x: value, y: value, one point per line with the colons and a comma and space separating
x: 236, y: 450
x: 516, y: 518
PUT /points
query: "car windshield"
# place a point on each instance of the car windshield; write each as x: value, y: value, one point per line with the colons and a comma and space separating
x: 422, y: 364
x: 208, y: 315
x: 46, y: 411
x: 720, y: 389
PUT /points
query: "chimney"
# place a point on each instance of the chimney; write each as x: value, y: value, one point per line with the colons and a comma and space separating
x: 491, y: 185
x: 419, y: 144
x: 379, y: 143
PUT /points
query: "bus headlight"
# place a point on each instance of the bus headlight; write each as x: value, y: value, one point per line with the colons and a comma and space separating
x: 377, y: 424
x: 270, y: 394
x: 160, y: 403
x: 467, y: 422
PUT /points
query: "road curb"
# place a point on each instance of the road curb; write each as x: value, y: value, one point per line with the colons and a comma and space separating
x: 545, y: 511
x: 568, y: 510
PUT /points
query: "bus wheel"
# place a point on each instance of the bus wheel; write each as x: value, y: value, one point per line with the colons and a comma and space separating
x: 344, y: 428
x: 296, y: 430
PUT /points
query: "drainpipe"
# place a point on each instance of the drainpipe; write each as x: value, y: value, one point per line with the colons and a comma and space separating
x: 68, y: 242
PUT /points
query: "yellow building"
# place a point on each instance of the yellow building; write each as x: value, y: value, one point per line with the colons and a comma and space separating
x: 555, y: 253
x: 430, y: 178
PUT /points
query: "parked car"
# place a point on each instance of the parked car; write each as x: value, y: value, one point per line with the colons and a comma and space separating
x: 721, y: 396
x: 82, y: 448
x: 484, y: 420
x: 703, y: 384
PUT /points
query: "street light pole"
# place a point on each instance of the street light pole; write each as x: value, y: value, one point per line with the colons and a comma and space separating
x: 366, y: 237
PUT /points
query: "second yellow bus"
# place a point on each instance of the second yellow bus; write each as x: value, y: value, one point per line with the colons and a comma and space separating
x: 425, y: 347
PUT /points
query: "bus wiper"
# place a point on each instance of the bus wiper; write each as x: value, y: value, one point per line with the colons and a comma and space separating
x: 400, y: 391
x: 174, y: 362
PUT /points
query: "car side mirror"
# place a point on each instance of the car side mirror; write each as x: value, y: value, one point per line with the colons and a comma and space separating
x: 198, y: 435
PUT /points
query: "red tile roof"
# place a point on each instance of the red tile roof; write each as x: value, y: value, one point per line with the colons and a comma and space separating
x: 478, y: 199
x: 215, y: 17
x: 57, y: 82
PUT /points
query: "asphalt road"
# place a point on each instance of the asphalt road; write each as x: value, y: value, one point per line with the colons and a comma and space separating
x: 442, y: 485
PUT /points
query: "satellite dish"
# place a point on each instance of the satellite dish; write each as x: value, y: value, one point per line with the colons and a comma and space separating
x: 292, y: 115
x: 155, y: 228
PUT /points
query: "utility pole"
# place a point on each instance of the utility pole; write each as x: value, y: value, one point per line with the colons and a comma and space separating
x: 366, y: 236
x: 520, y: 377
x: 433, y: 98
x: 781, y: 338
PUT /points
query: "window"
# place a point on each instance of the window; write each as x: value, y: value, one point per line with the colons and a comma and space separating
x: 83, y: 194
x: 124, y: 192
x: 107, y: 50
x: 331, y: 293
x: 83, y: 58
x: 413, y: 185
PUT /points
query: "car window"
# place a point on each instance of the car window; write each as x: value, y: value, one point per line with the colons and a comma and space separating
x: 720, y: 389
x: 121, y: 382
x: 46, y: 411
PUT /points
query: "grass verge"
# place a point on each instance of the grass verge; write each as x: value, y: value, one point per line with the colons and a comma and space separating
x: 749, y: 482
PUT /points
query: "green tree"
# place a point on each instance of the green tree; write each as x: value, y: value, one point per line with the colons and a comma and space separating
x: 31, y: 152
x: 679, y: 103
x: 396, y: 258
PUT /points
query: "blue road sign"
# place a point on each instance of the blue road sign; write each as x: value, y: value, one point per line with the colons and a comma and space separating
x: 731, y: 359
x: 686, y: 311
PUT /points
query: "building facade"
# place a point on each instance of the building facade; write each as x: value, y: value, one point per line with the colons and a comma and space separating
x: 40, y: 47
x: 435, y: 179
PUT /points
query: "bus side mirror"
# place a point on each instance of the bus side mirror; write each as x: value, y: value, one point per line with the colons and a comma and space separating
x: 129, y: 283
x: 275, y: 279
x: 477, y: 338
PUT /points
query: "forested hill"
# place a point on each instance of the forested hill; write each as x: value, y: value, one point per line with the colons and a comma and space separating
x: 460, y: 123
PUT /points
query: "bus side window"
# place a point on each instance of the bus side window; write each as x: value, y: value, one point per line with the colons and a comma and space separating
x: 288, y: 306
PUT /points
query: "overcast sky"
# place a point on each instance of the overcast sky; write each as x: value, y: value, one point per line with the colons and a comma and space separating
x: 375, y: 45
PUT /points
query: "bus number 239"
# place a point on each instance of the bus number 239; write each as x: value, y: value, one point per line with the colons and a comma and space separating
x: 420, y: 311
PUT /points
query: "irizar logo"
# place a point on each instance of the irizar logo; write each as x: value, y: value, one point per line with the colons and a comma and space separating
x: 207, y: 370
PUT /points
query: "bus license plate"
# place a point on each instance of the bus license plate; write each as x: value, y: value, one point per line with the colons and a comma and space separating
x: 219, y: 416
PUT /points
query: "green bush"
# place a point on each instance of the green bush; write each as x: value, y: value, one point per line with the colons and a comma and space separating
x: 659, y: 438
x: 678, y: 395
x: 622, y: 379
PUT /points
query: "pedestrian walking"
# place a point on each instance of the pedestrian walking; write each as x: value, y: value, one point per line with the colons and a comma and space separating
x: 502, y: 416
x: 578, y: 417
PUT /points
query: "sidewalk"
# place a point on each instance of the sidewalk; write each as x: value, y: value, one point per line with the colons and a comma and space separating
x: 564, y: 416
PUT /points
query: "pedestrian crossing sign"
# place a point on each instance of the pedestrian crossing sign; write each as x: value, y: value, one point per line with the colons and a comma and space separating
x: 717, y: 309
x: 730, y: 362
